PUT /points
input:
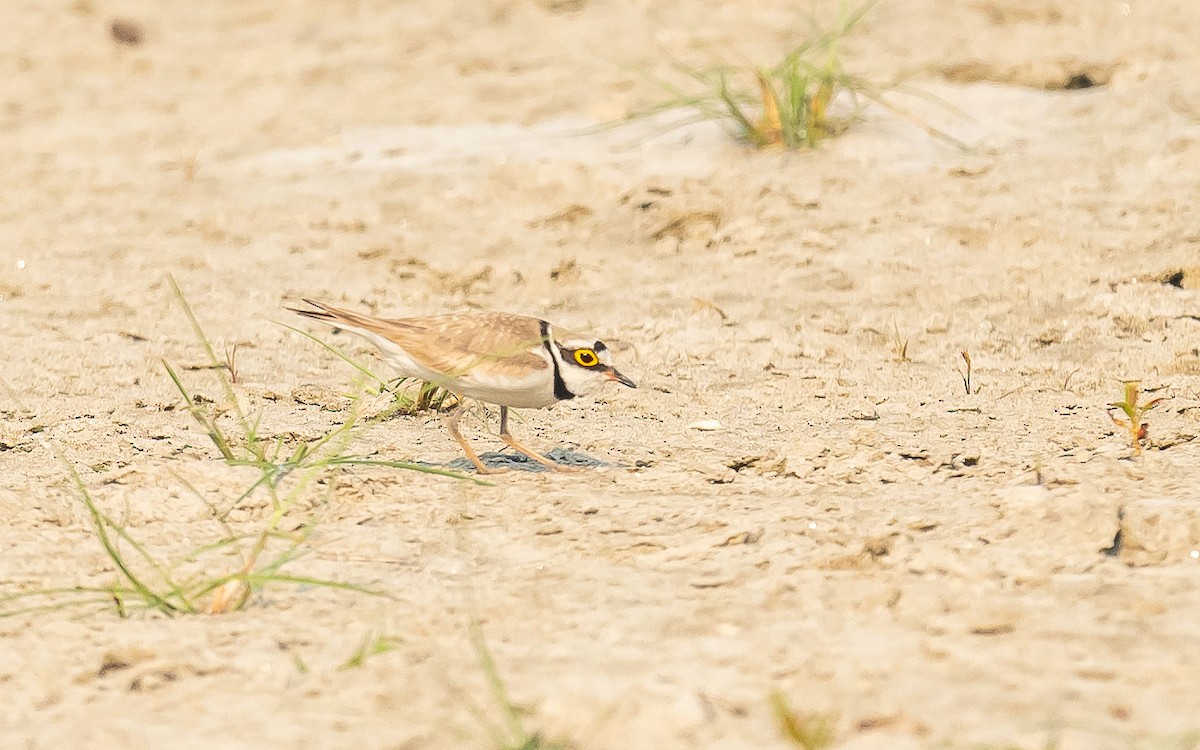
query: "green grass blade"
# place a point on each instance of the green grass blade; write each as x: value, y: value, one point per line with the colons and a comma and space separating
x: 173, y: 589
x: 336, y: 352
x: 259, y: 579
x: 217, y: 364
x: 193, y: 555
x: 499, y: 690
x: 747, y: 129
x: 100, y: 602
x: 896, y: 110
x: 99, y: 526
x: 356, y: 461
x: 210, y: 425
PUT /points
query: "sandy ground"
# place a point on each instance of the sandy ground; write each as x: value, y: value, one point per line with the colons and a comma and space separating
x: 926, y: 567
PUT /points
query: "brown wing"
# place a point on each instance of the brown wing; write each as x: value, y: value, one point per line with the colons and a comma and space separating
x: 451, y: 344
x: 499, y: 343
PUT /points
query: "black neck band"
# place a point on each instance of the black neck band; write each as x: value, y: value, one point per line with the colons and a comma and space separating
x: 560, y: 387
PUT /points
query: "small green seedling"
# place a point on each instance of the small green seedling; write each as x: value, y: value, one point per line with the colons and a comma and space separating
x: 899, y: 344
x: 966, y: 376
x: 1066, y: 385
x: 807, y: 731
x: 1135, y: 414
x: 231, y: 351
x: 373, y: 644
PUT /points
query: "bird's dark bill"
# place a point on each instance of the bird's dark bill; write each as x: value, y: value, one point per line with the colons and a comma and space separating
x: 612, y: 373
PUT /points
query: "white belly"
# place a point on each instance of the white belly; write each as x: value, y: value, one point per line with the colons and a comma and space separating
x: 534, y: 391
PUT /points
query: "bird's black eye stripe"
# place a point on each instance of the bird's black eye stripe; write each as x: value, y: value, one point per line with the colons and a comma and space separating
x: 599, y: 347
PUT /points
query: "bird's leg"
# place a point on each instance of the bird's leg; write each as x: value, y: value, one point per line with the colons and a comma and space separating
x: 452, y: 424
x: 512, y: 442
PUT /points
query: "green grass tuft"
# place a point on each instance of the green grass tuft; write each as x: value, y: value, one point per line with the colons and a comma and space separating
x: 224, y: 573
x: 807, y: 731
x: 786, y: 104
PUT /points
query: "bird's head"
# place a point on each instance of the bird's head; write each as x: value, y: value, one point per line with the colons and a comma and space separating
x: 587, y: 365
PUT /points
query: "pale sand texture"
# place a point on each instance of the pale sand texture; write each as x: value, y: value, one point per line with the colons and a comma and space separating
x: 882, y: 551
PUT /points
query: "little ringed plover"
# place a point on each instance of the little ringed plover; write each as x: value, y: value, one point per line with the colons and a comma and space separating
x: 512, y: 361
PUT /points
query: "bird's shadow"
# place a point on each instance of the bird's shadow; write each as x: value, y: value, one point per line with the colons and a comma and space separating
x: 519, y: 462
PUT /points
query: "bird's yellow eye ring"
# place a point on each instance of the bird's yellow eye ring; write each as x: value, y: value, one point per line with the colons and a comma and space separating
x: 586, y: 357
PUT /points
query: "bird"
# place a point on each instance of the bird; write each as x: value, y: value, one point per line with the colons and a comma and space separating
x: 512, y: 361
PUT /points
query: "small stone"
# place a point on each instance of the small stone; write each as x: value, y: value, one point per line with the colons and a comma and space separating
x: 126, y: 32
x: 745, y: 537
x: 712, y: 580
x: 123, y: 658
